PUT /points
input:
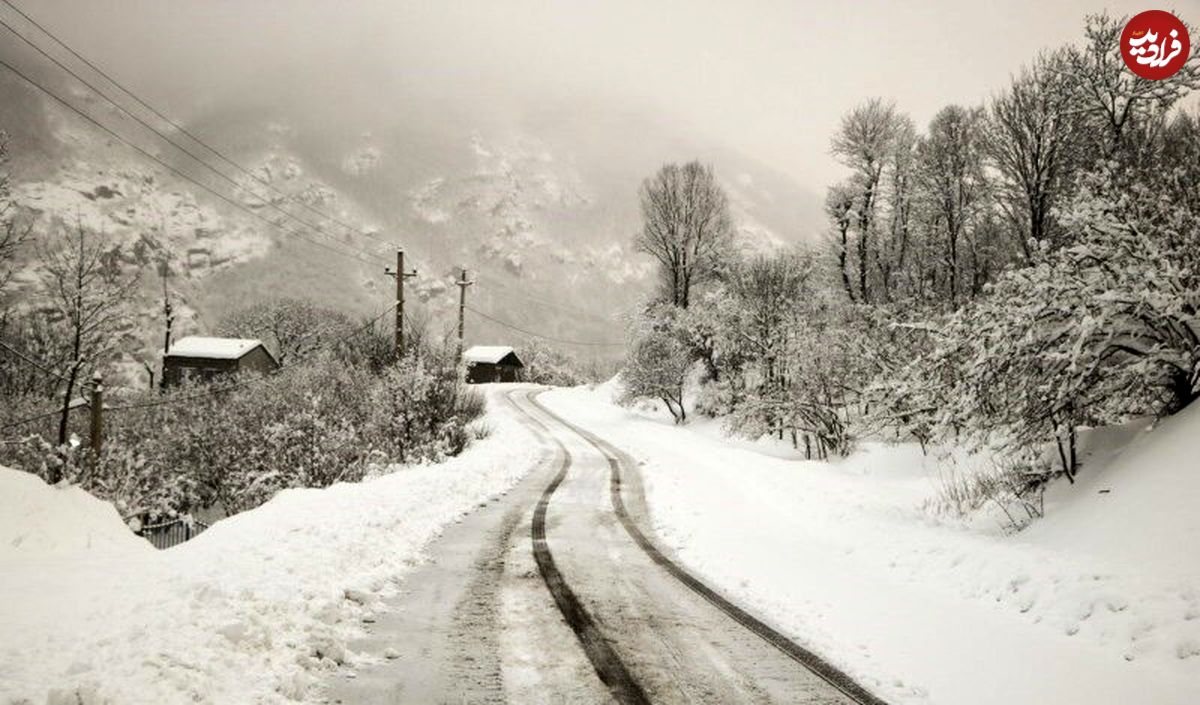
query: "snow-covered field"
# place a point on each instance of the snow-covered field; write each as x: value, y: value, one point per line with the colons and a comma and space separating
x: 1097, y: 604
x: 250, y: 611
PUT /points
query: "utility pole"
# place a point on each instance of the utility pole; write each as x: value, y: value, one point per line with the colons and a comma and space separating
x: 462, y: 285
x: 400, y: 276
x: 97, y: 409
x: 164, y: 270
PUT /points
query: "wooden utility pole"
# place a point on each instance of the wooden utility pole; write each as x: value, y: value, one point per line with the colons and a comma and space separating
x: 97, y: 409
x: 400, y: 276
x: 169, y: 315
x: 164, y: 271
x: 462, y: 285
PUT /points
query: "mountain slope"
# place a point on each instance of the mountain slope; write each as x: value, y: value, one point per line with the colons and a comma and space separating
x: 541, y: 209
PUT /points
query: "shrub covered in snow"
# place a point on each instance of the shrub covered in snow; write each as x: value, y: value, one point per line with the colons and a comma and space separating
x: 546, y: 364
x: 310, y: 425
x: 656, y: 368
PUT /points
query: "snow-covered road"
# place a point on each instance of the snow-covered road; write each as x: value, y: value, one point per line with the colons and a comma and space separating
x: 430, y: 584
x: 473, y: 626
x: 839, y: 557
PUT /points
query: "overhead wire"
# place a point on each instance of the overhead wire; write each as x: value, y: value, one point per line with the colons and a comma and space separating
x: 561, y: 308
x: 183, y: 175
x: 497, y: 321
x: 240, y: 206
x: 173, y: 123
x: 28, y: 359
x: 220, y: 174
x: 31, y: 419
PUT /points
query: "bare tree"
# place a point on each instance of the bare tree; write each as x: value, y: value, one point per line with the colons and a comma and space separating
x: 863, y: 142
x: 1121, y: 101
x: 12, y: 232
x: 769, y: 290
x: 292, y: 328
x: 87, y: 294
x: 901, y: 188
x: 839, y: 206
x: 1032, y: 138
x: 686, y: 227
x: 951, y: 171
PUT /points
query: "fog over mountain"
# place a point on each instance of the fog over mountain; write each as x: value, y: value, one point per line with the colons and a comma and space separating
x: 507, y: 138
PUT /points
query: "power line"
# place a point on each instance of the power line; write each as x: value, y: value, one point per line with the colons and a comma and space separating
x: 176, y: 171
x: 31, y: 419
x: 570, y: 310
x: 181, y: 129
x: 31, y: 361
x: 225, y: 177
x: 223, y: 157
x: 595, y: 343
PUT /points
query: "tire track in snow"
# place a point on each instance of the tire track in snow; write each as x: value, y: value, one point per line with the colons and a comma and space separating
x: 809, y: 660
x: 609, y: 666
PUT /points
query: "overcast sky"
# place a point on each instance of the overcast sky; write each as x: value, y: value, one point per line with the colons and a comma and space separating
x: 768, y: 78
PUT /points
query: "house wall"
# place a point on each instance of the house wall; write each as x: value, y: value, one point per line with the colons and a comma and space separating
x: 176, y: 369
x: 257, y: 360
x: 486, y: 373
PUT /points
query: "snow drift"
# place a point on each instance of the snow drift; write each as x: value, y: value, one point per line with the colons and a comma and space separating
x: 37, y: 520
x: 250, y: 611
x: 1138, y: 509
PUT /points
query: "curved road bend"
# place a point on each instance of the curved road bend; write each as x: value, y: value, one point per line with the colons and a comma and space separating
x: 511, y: 593
x: 679, y: 641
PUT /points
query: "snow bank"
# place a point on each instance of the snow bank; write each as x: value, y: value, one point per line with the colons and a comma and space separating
x: 1139, y: 508
x: 841, y: 556
x: 250, y: 610
x: 38, y: 520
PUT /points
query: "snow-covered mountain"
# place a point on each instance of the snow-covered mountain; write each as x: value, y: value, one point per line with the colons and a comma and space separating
x: 541, y: 209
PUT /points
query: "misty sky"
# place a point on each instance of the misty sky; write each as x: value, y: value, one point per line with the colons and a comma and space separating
x: 767, y: 78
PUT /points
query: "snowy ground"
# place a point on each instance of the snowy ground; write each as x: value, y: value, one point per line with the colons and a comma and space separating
x: 253, y: 610
x: 1098, y: 604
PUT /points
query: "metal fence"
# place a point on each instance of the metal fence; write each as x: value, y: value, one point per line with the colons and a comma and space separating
x: 172, y: 533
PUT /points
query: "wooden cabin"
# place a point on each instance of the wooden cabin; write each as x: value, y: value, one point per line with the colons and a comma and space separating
x: 198, y: 357
x: 492, y: 363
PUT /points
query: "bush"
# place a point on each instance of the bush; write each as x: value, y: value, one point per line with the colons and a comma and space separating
x: 1013, y: 485
x: 548, y: 365
x: 307, y: 426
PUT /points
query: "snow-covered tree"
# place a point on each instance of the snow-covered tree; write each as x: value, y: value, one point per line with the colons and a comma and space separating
x: 1034, y: 138
x: 955, y: 194
x: 87, y: 294
x: 1122, y: 104
x: 291, y: 328
x: 686, y: 227
x: 656, y: 368
x: 864, y: 142
x: 12, y: 232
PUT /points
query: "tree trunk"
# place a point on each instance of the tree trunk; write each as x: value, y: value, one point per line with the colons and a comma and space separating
x: 842, y: 264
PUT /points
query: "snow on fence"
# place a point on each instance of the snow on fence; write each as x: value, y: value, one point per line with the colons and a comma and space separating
x: 172, y: 533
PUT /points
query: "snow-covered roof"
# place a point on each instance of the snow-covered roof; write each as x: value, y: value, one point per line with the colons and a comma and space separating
x: 487, y: 353
x: 212, y: 348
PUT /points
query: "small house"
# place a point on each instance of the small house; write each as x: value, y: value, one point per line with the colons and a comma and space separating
x: 198, y: 357
x: 492, y: 363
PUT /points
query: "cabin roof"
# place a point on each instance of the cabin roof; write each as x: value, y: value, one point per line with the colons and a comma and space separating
x: 489, y: 354
x: 212, y: 348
